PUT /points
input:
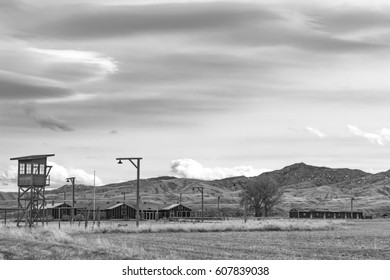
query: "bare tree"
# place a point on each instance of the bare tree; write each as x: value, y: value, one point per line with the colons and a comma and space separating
x: 262, y: 193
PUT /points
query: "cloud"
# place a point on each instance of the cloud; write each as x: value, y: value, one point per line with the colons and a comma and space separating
x: 240, y: 24
x: 15, y: 86
x: 351, y: 19
x: 189, y: 168
x: 379, y: 138
x: 59, y: 174
x: 45, y: 120
x: 71, y: 65
x: 110, y: 21
x: 316, y: 132
x: 8, y: 176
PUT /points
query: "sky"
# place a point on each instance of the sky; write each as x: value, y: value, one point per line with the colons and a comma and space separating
x: 198, y: 89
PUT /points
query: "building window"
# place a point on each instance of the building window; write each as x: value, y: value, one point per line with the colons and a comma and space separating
x: 35, y: 168
x: 42, y: 169
x: 21, y: 168
x: 28, y: 168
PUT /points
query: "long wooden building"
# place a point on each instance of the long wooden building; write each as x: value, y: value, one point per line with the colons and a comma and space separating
x: 176, y: 211
x: 58, y: 210
x: 324, y: 214
x: 120, y: 211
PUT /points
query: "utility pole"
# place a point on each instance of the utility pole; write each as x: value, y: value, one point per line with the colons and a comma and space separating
x: 71, y: 179
x: 94, y: 199
x: 124, y: 197
x: 136, y: 161
x: 218, y: 201
x: 201, y: 191
x: 352, y: 199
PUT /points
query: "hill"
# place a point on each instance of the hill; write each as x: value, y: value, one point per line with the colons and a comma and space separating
x: 304, y: 186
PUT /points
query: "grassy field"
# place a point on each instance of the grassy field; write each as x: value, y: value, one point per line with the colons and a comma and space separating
x: 265, y: 239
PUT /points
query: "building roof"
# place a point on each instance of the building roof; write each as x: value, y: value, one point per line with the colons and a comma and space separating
x: 55, y: 205
x: 103, y: 205
x: 32, y: 157
x: 169, y: 207
x: 117, y: 205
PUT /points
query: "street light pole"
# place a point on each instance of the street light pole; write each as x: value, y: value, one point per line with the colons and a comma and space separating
x: 201, y: 191
x: 136, y: 161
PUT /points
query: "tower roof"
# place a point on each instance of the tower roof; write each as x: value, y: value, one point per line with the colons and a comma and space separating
x: 32, y: 157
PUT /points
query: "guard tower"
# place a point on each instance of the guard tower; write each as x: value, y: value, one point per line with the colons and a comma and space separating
x: 33, y: 177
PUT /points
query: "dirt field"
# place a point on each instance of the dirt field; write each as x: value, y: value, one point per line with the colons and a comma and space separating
x: 355, y: 240
x: 362, y: 239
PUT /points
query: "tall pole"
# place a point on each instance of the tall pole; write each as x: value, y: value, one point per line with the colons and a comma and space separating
x: 201, y: 191
x: 137, y: 165
x: 138, y: 174
x: 218, y: 201
x: 94, y: 199
x: 73, y: 199
x: 71, y: 179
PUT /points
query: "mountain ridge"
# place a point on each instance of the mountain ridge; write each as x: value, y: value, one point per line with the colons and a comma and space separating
x: 304, y: 186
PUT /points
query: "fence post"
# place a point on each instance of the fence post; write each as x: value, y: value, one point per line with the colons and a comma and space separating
x: 59, y: 218
x: 86, y: 218
x: 80, y: 218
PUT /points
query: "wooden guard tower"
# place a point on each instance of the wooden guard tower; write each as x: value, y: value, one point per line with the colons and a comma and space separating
x: 33, y: 177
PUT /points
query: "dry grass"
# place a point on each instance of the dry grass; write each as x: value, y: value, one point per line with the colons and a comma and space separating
x: 227, y: 226
x: 266, y: 239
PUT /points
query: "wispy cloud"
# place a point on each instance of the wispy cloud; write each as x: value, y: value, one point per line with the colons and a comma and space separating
x: 380, y: 137
x: 316, y: 132
x: 189, y: 168
x: 75, y: 65
x: 15, y: 86
x: 46, y: 120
